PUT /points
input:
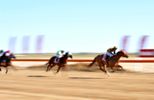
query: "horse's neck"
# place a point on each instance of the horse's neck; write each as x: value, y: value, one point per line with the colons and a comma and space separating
x: 116, y: 57
x: 64, y: 58
x: 12, y: 56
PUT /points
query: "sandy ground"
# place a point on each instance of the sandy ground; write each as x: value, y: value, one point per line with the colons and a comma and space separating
x: 31, y: 84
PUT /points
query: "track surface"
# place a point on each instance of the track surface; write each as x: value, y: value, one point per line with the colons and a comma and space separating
x: 33, y: 84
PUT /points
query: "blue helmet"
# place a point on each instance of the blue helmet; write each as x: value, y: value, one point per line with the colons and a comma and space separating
x: 62, y: 51
x: 115, y: 47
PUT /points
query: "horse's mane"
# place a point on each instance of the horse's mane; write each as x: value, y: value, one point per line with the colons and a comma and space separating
x: 65, y: 57
x: 121, y: 51
x: 118, y: 53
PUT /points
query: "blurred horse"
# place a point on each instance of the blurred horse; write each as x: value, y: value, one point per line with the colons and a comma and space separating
x: 61, y: 63
x: 5, y: 61
x: 110, y: 62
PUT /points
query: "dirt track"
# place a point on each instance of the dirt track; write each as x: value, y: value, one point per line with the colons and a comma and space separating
x: 74, y: 85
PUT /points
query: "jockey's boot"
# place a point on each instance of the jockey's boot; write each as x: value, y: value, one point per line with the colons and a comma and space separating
x: 56, y: 60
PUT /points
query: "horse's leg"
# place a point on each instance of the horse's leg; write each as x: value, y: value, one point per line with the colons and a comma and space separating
x: 112, y: 69
x: 104, y: 69
x: 65, y: 68
x: 58, y: 68
x: 90, y: 65
x: 49, y: 67
x: 100, y: 67
x: 119, y: 67
x: 6, y: 69
x: 111, y: 66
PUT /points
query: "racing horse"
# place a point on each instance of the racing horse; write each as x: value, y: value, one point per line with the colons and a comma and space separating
x: 61, y: 63
x: 110, y: 62
x: 5, y: 61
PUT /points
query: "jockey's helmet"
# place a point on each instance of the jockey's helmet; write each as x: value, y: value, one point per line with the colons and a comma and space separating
x: 62, y: 51
x: 115, y: 47
x: 8, y: 51
x: 1, y: 51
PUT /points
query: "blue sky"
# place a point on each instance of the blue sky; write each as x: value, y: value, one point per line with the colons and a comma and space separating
x: 76, y: 25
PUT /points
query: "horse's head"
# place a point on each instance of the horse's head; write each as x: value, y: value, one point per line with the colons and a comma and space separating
x: 65, y: 57
x: 68, y: 54
x: 122, y: 53
x: 12, y: 56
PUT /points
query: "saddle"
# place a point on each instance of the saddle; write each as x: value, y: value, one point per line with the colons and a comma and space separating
x: 106, y: 58
x: 56, y: 60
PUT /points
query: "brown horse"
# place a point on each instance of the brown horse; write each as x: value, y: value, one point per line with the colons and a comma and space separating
x: 5, y: 61
x: 62, y: 62
x: 111, y: 62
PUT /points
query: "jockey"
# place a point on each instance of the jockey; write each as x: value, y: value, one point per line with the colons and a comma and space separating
x: 4, y: 54
x: 59, y: 54
x: 110, y: 52
x: 1, y: 52
x: 7, y: 53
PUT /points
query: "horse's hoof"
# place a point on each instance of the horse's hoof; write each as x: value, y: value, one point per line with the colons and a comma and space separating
x: 55, y: 73
x: 112, y: 71
x: 108, y: 74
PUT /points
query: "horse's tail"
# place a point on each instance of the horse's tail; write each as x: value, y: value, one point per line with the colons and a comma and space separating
x: 92, y: 62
